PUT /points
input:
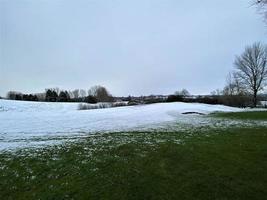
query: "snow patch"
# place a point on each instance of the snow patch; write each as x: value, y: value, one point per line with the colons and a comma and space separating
x: 32, y: 123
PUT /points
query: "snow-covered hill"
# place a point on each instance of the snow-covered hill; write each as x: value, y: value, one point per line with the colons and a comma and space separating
x: 24, y: 123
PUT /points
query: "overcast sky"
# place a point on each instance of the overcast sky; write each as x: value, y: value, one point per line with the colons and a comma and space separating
x: 136, y: 47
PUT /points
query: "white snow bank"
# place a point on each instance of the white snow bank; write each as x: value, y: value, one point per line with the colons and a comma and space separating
x: 22, y: 123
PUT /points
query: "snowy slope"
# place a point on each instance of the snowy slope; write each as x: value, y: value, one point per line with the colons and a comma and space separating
x: 23, y: 122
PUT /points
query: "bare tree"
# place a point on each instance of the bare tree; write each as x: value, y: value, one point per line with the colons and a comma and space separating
x: 41, y: 96
x: 93, y: 90
x: 76, y: 93
x: 262, y: 6
x: 216, y: 92
x: 71, y: 94
x: 57, y: 90
x: 82, y: 93
x: 100, y: 93
x: 234, y: 85
x: 251, y: 69
x: 183, y: 92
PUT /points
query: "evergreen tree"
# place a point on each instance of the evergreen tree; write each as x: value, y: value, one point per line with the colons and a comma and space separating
x: 62, y: 96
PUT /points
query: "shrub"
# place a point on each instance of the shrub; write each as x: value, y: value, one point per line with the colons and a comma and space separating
x: 174, y: 98
x: 85, y: 106
x: 119, y: 104
x: 236, y: 100
x: 90, y: 99
x: 133, y: 103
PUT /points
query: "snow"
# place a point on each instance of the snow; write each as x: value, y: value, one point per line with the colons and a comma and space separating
x: 25, y: 124
x: 264, y: 103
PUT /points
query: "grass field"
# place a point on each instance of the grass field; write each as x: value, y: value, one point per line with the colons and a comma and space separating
x: 253, y: 115
x: 205, y: 164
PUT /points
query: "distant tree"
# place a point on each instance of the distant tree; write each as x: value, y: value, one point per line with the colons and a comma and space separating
x: 90, y: 99
x: 51, y: 95
x: 35, y: 98
x: 25, y: 97
x: 13, y: 95
x: 10, y: 95
x: 262, y: 6
x: 93, y: 90
x: 82, y: 93
x: 100, y: 93
x: 129, y: 98
x: 18, y: 97
x: 48, y: 95
x: 182, y: 93
x: 54, y: 95
x: 216, y: 92
x: 234, y: 85
x: 76, y: 93
x: 56, y: 90
x: 41, y: 96
x: 251, y: 69
x: 234, y: 93
x: 32, y: 97
x: 68, y: 95
x: 63, y: 96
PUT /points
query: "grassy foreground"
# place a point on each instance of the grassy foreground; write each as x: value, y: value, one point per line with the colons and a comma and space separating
x: 253, y: 115
x: 211, y: 164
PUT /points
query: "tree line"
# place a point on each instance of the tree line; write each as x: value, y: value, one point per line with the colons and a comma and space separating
x: 93, y: 95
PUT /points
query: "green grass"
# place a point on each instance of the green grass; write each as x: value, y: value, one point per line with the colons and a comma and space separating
x: 210, y: 164
x: 253, y: 115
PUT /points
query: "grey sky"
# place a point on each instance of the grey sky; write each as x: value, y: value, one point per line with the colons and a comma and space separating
x: 131, y: 47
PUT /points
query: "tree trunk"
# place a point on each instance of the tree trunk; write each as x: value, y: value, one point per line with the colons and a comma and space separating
x: 255, y: 99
